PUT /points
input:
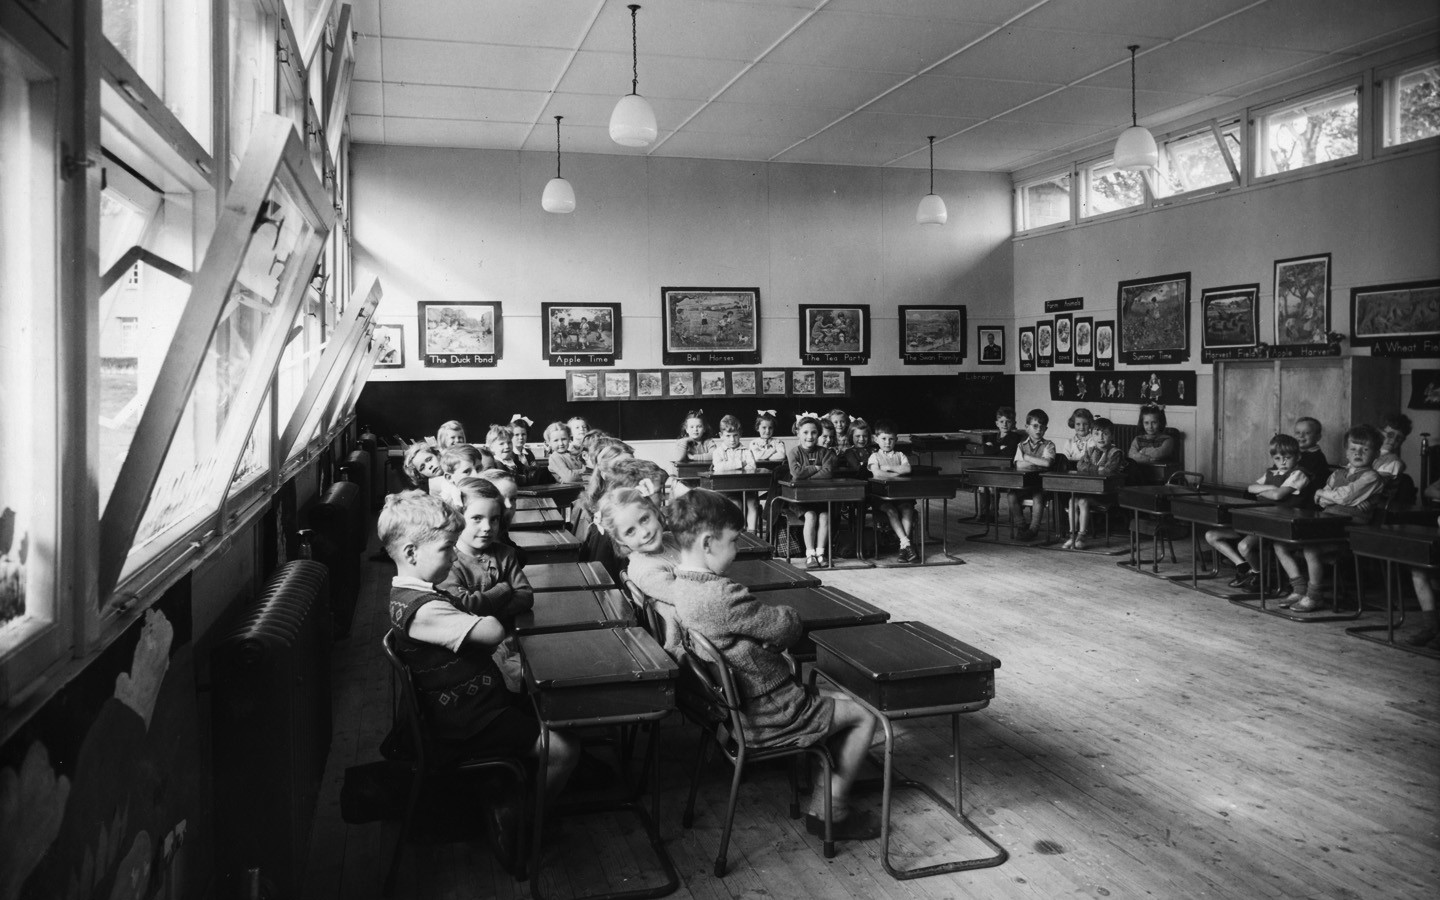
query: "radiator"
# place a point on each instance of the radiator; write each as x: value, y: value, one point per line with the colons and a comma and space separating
x: 356, y: 469
x: 339, y: 531
x: 271, y: 686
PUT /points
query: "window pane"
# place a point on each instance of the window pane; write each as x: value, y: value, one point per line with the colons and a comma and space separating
x: 1314, y: 131
x: 1045, y: 203
x: 1195, y: 162
x: 252, y: 74
x: 167, y: 42
x: 302, y: 355
x: 1413, y: 113
x: 1108, y: 189
x: 255, y: 459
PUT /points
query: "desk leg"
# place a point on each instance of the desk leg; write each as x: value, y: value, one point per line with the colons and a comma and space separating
x: 924, y: 519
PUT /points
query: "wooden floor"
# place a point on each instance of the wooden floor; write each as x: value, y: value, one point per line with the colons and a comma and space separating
x: 1145, y: 740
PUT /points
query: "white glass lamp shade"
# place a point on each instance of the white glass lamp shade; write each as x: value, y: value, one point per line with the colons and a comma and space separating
x: 632, y: 124
x: 1136, y: 149
x: 931, y: 210
x: 559, y: 197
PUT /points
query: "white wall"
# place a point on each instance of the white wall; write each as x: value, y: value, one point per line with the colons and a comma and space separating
x: 454, y: 225
x: 1379, y: 221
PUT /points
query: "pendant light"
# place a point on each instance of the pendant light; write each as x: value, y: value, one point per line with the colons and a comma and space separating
x: 931, y: 210
x: 1136, y: 148
x: 559, y: 196
x: 632, y: 124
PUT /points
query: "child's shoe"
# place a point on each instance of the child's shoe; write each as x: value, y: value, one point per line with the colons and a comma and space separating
x: 1069, y: 542
x: 1243, y: 572
x: 811, y: 562
x: 1291, y: 600
x: 907, y: 554
x: 1308, y: 603
x: 1080, y: 541
x: 1423, y: 637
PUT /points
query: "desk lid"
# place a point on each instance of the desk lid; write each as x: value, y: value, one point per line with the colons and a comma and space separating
x: 898, y: 650
x: 554, y: 609
x: 823, y: 606
x: 751, y: 572
x: 601, y: 656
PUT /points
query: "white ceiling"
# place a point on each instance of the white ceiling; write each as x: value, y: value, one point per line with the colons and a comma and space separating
x: 1001, y: 83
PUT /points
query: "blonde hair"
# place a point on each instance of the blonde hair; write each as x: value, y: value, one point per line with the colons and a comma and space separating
x: 415, y: 517
x: 611, y: 504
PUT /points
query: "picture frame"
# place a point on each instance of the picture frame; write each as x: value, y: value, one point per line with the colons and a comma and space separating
x: 774, y: 383
x: 744, y: 383
x: 1154, y: 319
x: 1045, y: 343
x: 835, y: 382
x: 649, y: 384
x: 680, y: 383
x: 391, y: 341
x: 1025, y: 348
x: 713, y: 383
x: 1105, y: 345
x: 834, y: 334
x: 991, y: 341
x: 1085, y: 342
x: 1064, y: 327
x: 460, y: 335
x: 931, y: 335
x: 617, y: 385
x: 582, y: 385
x: 710, y: 326
x: 1401, y: 319
x: 1302, y: 300
x: 580, y: 334
x: 803, y: 382
x: 1229, y: 318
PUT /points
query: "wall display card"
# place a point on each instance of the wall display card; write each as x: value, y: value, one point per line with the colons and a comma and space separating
x: 1066, y: 305
x: 802, y: 382
x: 1025, y: 339
x: 713, y: 384
x: 835, y: 381
x: 1166, y: 388
x: 391, y: 341
x: 1425, y: 389
x: 1154, y: 316
x: 932, y: 335
x: 459, y: 335
x: 834, y: 334
x: 774, y: 382
x: 1397, y: 319
x: 650, y: 384
x: 1084, y: 342
x: 680, y: 384
x: 580, y: 334
x: 1229, y: 321
x: 992, y: 345
x: 1302, y: 300
x: 744, y: 383
x: 710, y: 326
x: 617, y: 386
x: 1045, y: 343
x: 1064, y: 350
x: 582, y: 386
x: 1105, y: 346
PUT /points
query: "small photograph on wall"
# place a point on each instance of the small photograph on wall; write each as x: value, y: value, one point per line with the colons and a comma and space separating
x: 1084, y: 341
x: 773, y: 383
x: 1045, y: 343
x: 580, y: 334
x: 1424, y: 389
x: 1154, y: 315
x: 1302, y: 300
x: 834, y: 334
x: 1026, y: 341
x: 680, y: 384
x: 582, y: 386
x: 712, y: 384
x: 1229, y: 319
x: 835, y: 381
x: 617, y: 386
x: 649, y: 384
x: 1105, y: 345
x: 1064, y: 351
x: 931, y: 335
x: 992, y: 345
x: 711, y: 326
x: 802, y: 382
x: 455, y: 335
x: 743, y: 383
x: 391, y: 341
x: 1397, y: 319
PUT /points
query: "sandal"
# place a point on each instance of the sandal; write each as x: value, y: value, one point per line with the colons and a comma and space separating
x: 811, y: 562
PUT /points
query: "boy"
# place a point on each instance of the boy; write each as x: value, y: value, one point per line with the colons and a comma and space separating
x: 463, y: 460
x: 1034, y: 454
x: 1349, y: 492
x: 1006, y: 440
x: 1394, y: 429
x: 1102, y: 458
x: 449, y: 651
x: 887, y: 462
x: 1286, y: 484
x: 566, y: 465
x: 751, y: 635
x: 1312, y: 459
x: 578, y: 429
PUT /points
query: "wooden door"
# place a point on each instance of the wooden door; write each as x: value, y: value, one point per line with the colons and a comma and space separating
x: 1246, y: 416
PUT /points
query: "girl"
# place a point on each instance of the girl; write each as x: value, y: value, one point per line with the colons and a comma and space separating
x: 566, y: 465
x: 1101, y: 459
x: 692, y: 445
x: 525, y: 465
x: 767, y: 446
x: 421, y: 463
x: 729, y: 456
x: 807, y: 459
x: 838, y: 420
x: 856, y: 457
x: 1153, y: 445
x: 631, y: 519
x: 578, y: 429
x: 1082, y: 423
x: 449, y: 434
x: 827, y: 434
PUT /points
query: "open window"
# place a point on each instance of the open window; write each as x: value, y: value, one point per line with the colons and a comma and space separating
x: 337, y: 82
x: 167, y: 44
x: 252, y: 71
x: 1320, y: 128
x: 1194, y: 162
x: 1411, y: 96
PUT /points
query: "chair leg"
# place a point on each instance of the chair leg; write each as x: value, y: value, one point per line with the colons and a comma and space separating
x: 729, y: 817
x: 829, y: 841
x: 688, y: 818
x: 792, y: 770
x: 406, y: 823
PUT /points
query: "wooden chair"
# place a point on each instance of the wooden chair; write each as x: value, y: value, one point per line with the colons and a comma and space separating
x: 1163, y: 530
x: 426, y: 762
x: 722, y: 724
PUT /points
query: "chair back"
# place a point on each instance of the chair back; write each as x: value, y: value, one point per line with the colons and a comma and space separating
x: 407, y: 721
x: 1186, y: 479
x: 644, y: 609
x: 717, y: 683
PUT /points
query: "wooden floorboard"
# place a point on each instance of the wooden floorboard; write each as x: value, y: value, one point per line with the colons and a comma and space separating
x: 1145, y: 740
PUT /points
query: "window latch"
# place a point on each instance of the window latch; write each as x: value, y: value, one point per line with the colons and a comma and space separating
x: 71, y: 165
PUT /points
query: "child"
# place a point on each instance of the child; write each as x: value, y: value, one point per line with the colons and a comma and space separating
x: 1082, y: 424
x: 859, y: 448
x: 578, y: 429
x: 524, y: 463
x: 630, y: 474
x: 449, y: 434
x: 497, y: 441
x: 1285, y: 483
x: 887, y: 462
x: 1394, y: 429
x: 729, y: 456
x: 421, y: 463
x: 450, y: 652
x: 1152, y: 445
x: 566, y: 465
x: 1034, y: 454
x: 807, y: 459
x: 1103, y: 458
x: 750, y: 635
x: 1006, y: 440
x: 463, y: 460
x: 1312, y: 458
x: 827, y: 434
x: 692, y: 445
x: 1349, y: 492
x: 842, y: 435
x: 634, y: 523
x: 504, y: 481
x: 838, y: 420
x: 767, y: 447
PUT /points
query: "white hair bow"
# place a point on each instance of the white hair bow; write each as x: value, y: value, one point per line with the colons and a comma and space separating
x: 519, y: 418
x: 806, y: 415
x: 766, y: 412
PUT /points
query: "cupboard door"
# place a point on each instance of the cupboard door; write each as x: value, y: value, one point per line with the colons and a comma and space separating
x: 1248, y: 404
x: 1319, y: 388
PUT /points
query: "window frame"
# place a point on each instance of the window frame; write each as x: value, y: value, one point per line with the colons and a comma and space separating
x: 1216, y: 128
x: 1084, y: 172
x: 1257, y: 115
x: 1385, y: 101
x: 1020, y: 209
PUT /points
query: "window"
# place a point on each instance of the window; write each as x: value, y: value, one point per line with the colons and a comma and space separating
x: 1195, y: 161
x: 1321, y: 128
x: 1412, y: 104
x: 1108, y: 189
x: 252, y: 73
x: 167, y: 43
x: 1044, y: 202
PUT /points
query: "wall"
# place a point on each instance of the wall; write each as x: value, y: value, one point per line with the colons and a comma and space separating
x: 1379, y: 221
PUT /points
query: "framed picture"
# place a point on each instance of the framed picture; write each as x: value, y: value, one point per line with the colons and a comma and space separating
x: 991, y: 342
x: 712, y: 384
x: 1424, y: 389
x: 834, y: 334
x: 1064, y: 351
x: 1045, y: 343
x: 710, y: 326
x: 650, y: 384
x: 1084, y: 341
x: 1025, y: 340
x: 454, y: 335
x: 1105, y: 345
x: 1154, y: 316
x: 582, y: 385
x: 580, y: 334
x: 932, y: 334
x: 1302, y: 300
x: 1229, y: 318
x: 1397, y: 319
x: 680, y: 384
x: 802, y: 382
x: 617, y: 385
x: 773, y: 383
x: 391, y: 341
x: 835, y: 381
x: 743, y: 383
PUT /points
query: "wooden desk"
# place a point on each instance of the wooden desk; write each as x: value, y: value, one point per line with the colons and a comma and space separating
x: 1299, y: 527
x: 533, y: 519
x: 1149, y: 500
x: 828, y: 491
x: 1406, y: 545
x: 907, y: 670
x: 550, y: 546
x: 769, y: 575
x: 562, y: 495
x: 1001, y: 478
x: 935, y: 442
x: 752, y: 546
x: 820, y: 608
x: 980, y: 461
x: 1072, y: 483
x: 582, y: 679
x: 557, y: 611
x: 568, y: 576
x: 689, y: 472
x: 534, y: 503
x: 923, y: 488
x: 1212, y: 511
x: 742, y: 483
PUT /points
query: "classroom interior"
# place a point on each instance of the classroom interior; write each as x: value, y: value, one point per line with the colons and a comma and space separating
x: 223, y: 224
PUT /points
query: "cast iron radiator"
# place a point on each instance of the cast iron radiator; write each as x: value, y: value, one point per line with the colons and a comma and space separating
x: 340, y: 528
x: 356, y: 469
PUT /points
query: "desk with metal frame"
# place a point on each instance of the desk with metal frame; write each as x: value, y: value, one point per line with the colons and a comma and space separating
x: 820, y: 490
x: 1417, y: 546
x: 575, y: 610
x: 1298, y: 527
x: 568, y: 576
x: 1213, y: 511
x: 1148, y: 500
x: 769, y: 575
x: 742, y: 483
x: 563, y: 495
x: 923, y: 488
x: 969, y: 463
x: 1001, y: 479
x: 1072, y: 483
x: 821, y: 608
x: 549, y: 545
